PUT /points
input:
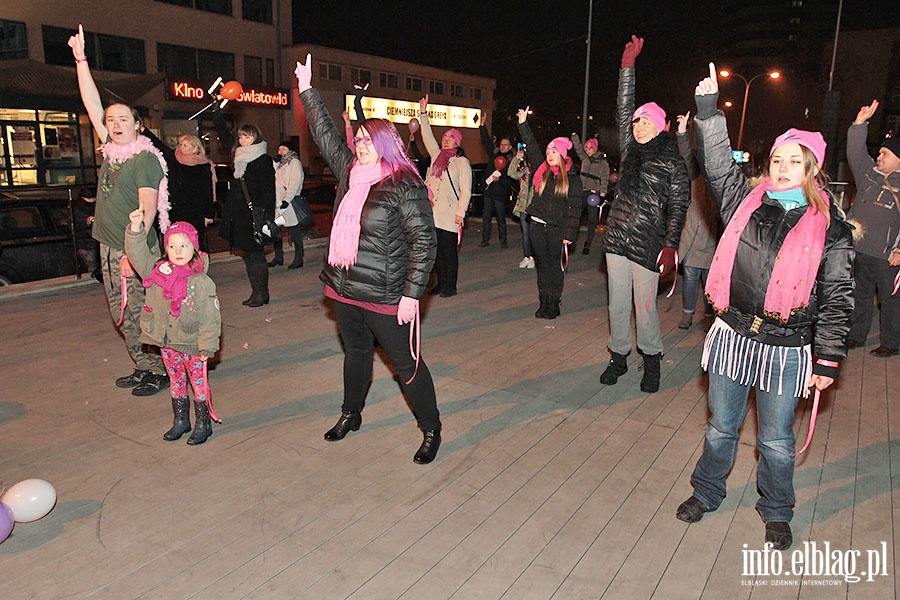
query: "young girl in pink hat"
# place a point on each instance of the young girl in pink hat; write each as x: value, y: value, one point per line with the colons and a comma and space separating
x: 782, y: 287
x: 181, y: 316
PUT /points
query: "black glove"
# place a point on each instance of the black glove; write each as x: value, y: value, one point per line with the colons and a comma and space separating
x: 283, y: 205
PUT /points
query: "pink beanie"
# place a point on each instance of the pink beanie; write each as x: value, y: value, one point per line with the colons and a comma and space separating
x: 185, y: 229
x: 455, y: 134
x: 591, y: 143
x: 561, y: 145
x: 810, y: 139
x: 653, y: 112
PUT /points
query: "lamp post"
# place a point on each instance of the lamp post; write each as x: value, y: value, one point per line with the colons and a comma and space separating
x: 747, y: 82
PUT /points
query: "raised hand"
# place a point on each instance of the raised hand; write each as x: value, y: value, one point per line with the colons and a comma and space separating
x: 866, y: 112
x: 522, y: 113
x: 632, y: 50
x: 303, y: 73
x: 76, y: 43
x: 683, y: 121
x: 137, y: 219
x: 423, y: 104
x: 709, y: 85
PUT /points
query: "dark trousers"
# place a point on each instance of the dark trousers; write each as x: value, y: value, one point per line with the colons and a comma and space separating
x: 296, y: 235
x: 875, y: 274
x: 546, y: 246
x: 359, y: 329
x: 446, y: 263
x: 593, y: 217
x: 493, y: 207
x: 257, y: 271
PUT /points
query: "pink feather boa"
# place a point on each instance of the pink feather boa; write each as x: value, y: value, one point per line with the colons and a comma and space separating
x: 119, y: 153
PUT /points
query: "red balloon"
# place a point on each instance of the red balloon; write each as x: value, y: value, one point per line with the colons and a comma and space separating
x: 500, y: 163
x: 231, y: 90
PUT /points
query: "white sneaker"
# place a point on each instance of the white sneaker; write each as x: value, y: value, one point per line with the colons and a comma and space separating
x: 530, y: 262
x: 524, y: 263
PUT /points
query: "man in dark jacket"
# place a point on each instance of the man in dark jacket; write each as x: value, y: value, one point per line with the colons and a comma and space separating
x: 643, y: 227
x: 498, y: 188
x: 876, y: 215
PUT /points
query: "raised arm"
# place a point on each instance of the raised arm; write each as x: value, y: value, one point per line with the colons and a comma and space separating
x: 857, y: 156
x: 578, y: 147
x: 535, y: 156
x: 431, y: 145
x: 90, y: 95
x: 324, y: 132
x: 625, y: 97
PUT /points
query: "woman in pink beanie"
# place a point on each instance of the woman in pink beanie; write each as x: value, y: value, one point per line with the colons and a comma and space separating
x: 555, y: 212
x: 781, y: 284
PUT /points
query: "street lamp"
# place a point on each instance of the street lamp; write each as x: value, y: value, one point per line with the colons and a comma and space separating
x: 747, y: 82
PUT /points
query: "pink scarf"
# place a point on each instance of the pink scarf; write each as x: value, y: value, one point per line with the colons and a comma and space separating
x: 173, y: 279
x: 440, y: 163
x: 192, y: 159
x: 796, y: 265
x: 539, y: 173
x: 344, y: 244
x: 119, y: 153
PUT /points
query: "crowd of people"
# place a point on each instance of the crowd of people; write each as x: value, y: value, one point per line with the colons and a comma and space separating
x: 787, y: 280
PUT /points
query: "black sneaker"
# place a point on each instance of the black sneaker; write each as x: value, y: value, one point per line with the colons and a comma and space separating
x: 133, y: 380
x: 153, y: 383
x: 779, y: 535
x: 691, y: 510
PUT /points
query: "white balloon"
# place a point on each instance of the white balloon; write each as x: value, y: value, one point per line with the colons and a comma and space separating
x: 30, y: 499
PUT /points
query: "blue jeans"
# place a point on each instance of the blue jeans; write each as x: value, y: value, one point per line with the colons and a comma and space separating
x: 525, y: 221
x: 774, y: 440
x: 692, y: 278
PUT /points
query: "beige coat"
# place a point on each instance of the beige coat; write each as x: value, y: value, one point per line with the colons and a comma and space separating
x: 451, y: 199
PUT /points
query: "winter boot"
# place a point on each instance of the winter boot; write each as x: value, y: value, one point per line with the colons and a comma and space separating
x: 686, y: 319
x: 552, y: 307
x: 650, y: 380
x: 541, y: 312
x: 203, y: 425
x: 182, y: 423
x: 258, y: 272
x: 617, y: 367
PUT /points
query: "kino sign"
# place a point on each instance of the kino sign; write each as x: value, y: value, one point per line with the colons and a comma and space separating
x: 186, y: 91
x: 398, y: 111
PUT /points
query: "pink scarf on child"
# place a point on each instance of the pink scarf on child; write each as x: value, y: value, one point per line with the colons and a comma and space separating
x: 796, y: 265
x: 344, y: 244
x: 173, y: 279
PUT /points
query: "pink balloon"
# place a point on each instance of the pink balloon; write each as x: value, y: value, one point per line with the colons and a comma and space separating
x: 413, y: 125
x: 7, y: 521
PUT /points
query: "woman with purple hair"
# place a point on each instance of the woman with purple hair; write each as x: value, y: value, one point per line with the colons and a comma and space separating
x: 378, y: 261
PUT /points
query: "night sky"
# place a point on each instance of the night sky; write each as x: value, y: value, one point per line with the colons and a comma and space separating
x: 536, y: 51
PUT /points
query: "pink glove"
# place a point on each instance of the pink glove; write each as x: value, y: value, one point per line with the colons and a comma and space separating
x: 407, y: 310
x: 303, y: 73
x: 666, y: 262
x: 632, y: 49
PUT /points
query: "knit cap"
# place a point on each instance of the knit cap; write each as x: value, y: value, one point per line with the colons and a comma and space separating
x: 561, y: 145
x: 455, y: 134
x: 892, y: 144
x: 653, y: 112
x: 185, y: 229
x: 591, y: 143
x: 809, y: 139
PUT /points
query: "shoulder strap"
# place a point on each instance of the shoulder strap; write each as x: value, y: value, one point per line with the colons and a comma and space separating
x: 246, y: 194
x: 450, y: 178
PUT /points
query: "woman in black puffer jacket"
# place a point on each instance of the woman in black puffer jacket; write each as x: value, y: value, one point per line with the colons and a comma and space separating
x: 643, y: 227
x: 555, y: 212
x: 379, y: 258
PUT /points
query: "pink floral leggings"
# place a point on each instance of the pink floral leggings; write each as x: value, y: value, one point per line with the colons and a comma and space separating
x: 180, y: 367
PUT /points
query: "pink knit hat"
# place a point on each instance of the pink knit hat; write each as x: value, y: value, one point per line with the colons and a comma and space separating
x: 653, y: 112
x: 591, y: 143
x: 185, y: 229
x: 455, y: 134
x: 561, y: 145
x: 810, y: 139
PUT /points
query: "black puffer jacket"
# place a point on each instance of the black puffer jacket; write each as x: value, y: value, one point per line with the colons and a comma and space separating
x: 826, y: 320
x: 561, y: 211
x: 645, y: 215
x: 397, y: 240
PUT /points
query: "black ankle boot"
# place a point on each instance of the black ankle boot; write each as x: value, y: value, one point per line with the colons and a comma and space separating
x: 297, y: 263
x: 552, y: 307
x: 182, y: 422
x: 617, y: 367
x: 257, y: 299
x: 429, y: 448
x: 650, y: 380
x: 203, y: 425
x: 541, y: 312
x: 350, y: 421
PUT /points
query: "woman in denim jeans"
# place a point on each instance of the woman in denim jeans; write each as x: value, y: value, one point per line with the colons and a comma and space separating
x: 781, y: 284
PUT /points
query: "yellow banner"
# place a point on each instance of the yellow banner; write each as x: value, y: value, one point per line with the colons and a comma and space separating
x: 399, y: 111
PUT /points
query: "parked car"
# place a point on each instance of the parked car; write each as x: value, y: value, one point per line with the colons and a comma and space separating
x: 36, y: 240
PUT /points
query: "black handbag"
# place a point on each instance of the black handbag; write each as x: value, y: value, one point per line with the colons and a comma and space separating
x: 304, y: 214
x: 265, y: 230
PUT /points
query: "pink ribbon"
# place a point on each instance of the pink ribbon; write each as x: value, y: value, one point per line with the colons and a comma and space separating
x: 674, y: 281
x: 415, y: 341
x: 459, y: 229
x: 896, y: 284
x: 212, y: 413
x: 564, y: 258
x: 812, y: 423
x: 124, y: 300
